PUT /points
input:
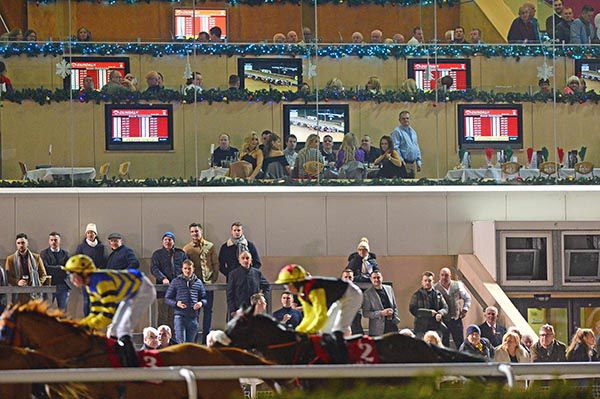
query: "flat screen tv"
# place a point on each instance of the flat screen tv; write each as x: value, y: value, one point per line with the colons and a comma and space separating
x: 426, y: 72
x: 304, y: 119
x: 282, y: 74
x: 188, y: 22
x: 139, y: 127
x: 582, y: 265
x: 589, y: 69
x: 97, y: 67
x: 523, y: 264
x: 490, y: 126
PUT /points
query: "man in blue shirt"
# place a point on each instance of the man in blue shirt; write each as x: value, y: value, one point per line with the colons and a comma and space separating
x: 406, y: 143
x: 287, y: 315
x: 582, y: 30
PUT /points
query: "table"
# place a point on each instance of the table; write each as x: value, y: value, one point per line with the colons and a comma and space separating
x: 212, y: 173
x: 524, y: 173
x: 48, y: 174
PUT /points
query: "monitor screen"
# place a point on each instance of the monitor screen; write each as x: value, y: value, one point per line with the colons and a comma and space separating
x: 97, y: 67
x: 589, y: 69
x: 282, y: 74
x: 188, y: 22
x: 139, y: 127
x: 584, y: 264
x: 520, y: 265
x: 303, y: 119
x: 426, y: 72
x: 490, y: 126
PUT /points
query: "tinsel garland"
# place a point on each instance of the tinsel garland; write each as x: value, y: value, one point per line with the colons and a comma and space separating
x: 401, y: 3
x: 383, y: 51
x: 45, y: 96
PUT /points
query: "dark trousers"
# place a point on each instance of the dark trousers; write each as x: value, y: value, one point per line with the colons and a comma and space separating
x: 455, y: 327
x: 207, y: 314
x: 86, y: 302
x: 62, y: 299
x: 408, y: 172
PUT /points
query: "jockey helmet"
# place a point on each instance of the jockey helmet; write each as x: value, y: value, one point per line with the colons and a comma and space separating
x: 80, y: 264
x: 291, y: 274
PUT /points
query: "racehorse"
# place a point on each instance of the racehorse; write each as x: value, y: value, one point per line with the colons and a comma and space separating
x: 277, y: 343
x: 12, y: 358
x: 34, y: 326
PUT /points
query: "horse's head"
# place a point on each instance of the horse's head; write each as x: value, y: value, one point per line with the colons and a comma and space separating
x: 249, y: 331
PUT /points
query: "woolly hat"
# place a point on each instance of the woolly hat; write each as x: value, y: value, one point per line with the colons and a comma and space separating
x: 364, y: 243
x: 170, y: 235
x: 473, y: 328
x: 91, y: 227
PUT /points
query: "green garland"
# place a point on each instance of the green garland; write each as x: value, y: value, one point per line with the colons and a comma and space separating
x: 45, y: 96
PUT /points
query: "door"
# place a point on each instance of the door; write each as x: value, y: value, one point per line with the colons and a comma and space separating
x: 553, y: 311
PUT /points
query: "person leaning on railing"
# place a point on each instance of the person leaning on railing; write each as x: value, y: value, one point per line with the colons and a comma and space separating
x: 548, y: 349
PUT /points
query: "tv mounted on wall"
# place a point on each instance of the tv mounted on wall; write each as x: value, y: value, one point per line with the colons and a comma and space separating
x: 282, y: 74
x: 139, y: 127
x: 304, y: 119
x: 97, y: 67
x: 426, y: 72
x: 490, y: 126
x: 188, y: 22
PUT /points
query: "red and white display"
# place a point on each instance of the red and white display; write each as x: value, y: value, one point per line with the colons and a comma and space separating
x: 426, y: 75
x: 140, y: 125
x: 482, y: 125
x: 190, y: 22
x: 98, y: 70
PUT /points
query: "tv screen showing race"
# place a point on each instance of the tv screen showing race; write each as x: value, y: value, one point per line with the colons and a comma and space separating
x: 98, y: 68
x: 427, y: 72
x: 189, y: 22
x: 589, y: 70
x: 139, y: 127
x: 303, y: 120
x: 494, y: 126
x: 280, y: 74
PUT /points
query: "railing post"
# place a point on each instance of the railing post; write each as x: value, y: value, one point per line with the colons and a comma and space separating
x: 190, y: 381
x: 507, y: 370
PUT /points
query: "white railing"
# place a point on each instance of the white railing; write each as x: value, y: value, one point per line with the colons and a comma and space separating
x: 190, y: 375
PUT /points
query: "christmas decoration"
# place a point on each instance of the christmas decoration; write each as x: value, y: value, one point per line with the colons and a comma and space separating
x: 545, y: 71
x: 63, y: 69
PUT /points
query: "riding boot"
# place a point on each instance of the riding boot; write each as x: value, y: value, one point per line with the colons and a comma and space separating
x: 341, y: 353
x: 127, y: 352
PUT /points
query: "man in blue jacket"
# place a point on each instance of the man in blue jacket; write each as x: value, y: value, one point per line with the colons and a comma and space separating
x: 122, y: 257
x: 186, y: 294
x: 582, y: 29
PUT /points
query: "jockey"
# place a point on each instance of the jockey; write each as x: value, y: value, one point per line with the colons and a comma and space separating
x: 329, y: 304
x: 118, y: 299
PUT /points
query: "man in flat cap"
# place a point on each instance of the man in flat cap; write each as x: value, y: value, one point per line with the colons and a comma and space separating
x: 122, y: 257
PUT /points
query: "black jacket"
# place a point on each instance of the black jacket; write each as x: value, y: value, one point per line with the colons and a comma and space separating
x: 97, y: 253
x: 228, y: 258
x: 581, y: 354
x: 355, y: 264
x: 487, y: 350
x: 54, y: 261
x: 556, y: 352
x: 242, y: 284
x: 122, y: 258
x: 421, y: 309
x: 495, y: 339
x: 162, y: 267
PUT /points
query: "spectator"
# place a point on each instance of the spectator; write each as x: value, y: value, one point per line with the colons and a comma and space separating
x: 83, y: 35
x: 273, y: 155
x: 449, y: 36
x: 572, y: 86
x: 290, y: 149
x: 357, y: 38
x: 522, y: 29
x: 215, y: 34
x: 362, y: 262
x: 548, y: 349
x: 533, y: 20
x: 490, y: 329
x: 477, y: 345
x: 356, y: 326
x: 409, y: 86
x: 55, y: 258
x: 259, y: 302
x: 288, y: 315
x: 555, y: 19
x: 335, y: 84
x: 373, y: 85
x: 151, y: 341
x: 87, y: 86
x: 161, y: 80
x: 92, y: 247
x: 596, y: 38
x: 203, y: 37
x: 233, y: 247
x: 417, y: 37
x: 349, y: 151
x: 563, y: 30
x: 310, y: 152
x: 444, y: 84
x: 389, y: 162
x: 476, y: 36
x: 234, y: 82
x: 193, y: 84
x: 292, y: 37
x: 398, y: 38
x: 407, y: 332
x: 264, y: 136
x: 243, y: 282
x: 114, y: 86
x: 130, y: 82
x: 30, y: 35
x: 371, y: 153
x: 25, y: 268
x: 279, y: 38
x: 406, y: 143
x: 5, y: 83
x: 15, y: 35
x: 544, y: 87
x: 459, y: 302
x: 122, y: 257
x: 582, y: 347
x: 459, y: 35
x: 428, y: 307
x: 153, y: 82
x: 582, y: 30
x: 186, y: 295
x: 379, y: 306
x: 327, y: 151
x: 252, y: 154
x: 165, y: 336
x: 165, y: 266
x: 3, y: 283
x: 527, y: 342
x: 511, y: 351
x: 433, y: 338
x: 204, y: 255
x: 224, y: 152
x: 376, y: 36
x: 582, y: 86
x: 307, y: 35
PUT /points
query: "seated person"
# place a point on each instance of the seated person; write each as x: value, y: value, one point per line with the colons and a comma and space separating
x: 329, y: 155
x: 253, y: 155
x: 572, y: 86
x: 224, y: 151
x: 376, y: 36
x: 335, y: 84
x: 87, y: 86
x: 193, y: 84
x: 203, y: 37
x: 373, y: 85
x: 114, y: 86
x: 153, y: 80
x: 390, y: 163
x: 444, y: 83
x: 83, y: 35
x: 292, y: 37
x: 310, y: 152
x: 398, y: 38
x: 215, y: 34
x: 151, y: 339
x: 279, y: 38
x: 5, y: 83
x: 130, y: 82
x: 349, y: 151
x: 476, y: 345
x: 357, y: 38
x: 234, y: 82
x: 544, y: 85
x: 161, y: 80
x: 272, y: 154
x: 371, y: 153
x: 30, y: 35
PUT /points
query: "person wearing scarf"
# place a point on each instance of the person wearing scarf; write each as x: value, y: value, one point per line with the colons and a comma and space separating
x: 232, y: 249
x: 477, y: 345
x: 363, y: 262
x: 25, y: 268
x: 92, y: 247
